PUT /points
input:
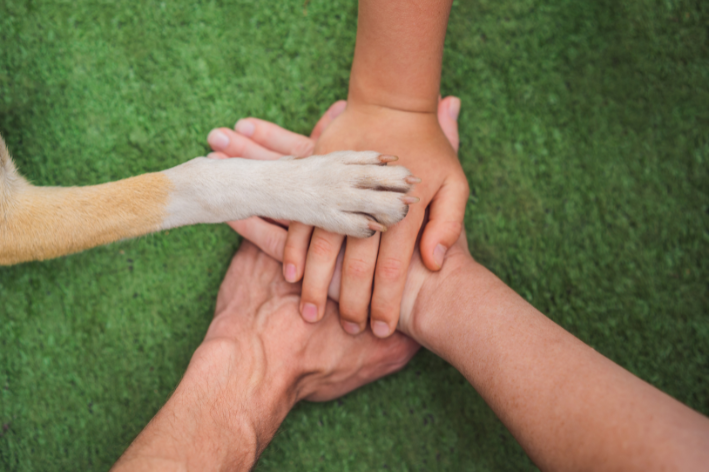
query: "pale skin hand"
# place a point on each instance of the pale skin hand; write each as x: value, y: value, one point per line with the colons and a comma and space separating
x: 257, y: 360
x: 568, y: 406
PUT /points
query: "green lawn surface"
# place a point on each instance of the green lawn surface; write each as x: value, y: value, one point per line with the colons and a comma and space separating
x: 584, y: 136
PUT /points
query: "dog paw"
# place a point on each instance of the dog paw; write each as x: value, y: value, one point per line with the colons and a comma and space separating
x: 358, y: 192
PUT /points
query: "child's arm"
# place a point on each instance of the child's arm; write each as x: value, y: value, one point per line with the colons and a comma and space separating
x: 392, y: 103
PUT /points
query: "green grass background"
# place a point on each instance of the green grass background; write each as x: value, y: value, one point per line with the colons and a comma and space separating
x: 584, y: 135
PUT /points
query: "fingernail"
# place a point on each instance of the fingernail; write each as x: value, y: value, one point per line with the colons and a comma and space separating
x: 377, y: 227
x: 438, y: 254
x: 351, y: 328
x: 409, y: 200
x: 244, y: 127
x: 380, y: 329
x: 387, y: 158
x: 218, y: 140
x: 338, y: 108
x: 290, y: 273
x: 412, y: 180
x: 454, y: 107
x: 310, y: 313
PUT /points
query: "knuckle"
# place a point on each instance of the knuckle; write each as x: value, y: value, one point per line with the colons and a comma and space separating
x: 358, y: 269
x: 390, y: 269
x: 272, y: 245
x: 321, y: 247
x: 294, y: 246
x: 294, y: 250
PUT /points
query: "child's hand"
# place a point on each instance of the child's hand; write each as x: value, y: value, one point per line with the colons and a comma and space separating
x: 419, y: 142
x: 424, y: 147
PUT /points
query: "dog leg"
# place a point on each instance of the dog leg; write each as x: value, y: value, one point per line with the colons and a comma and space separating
x: 348, y: 192
x: 44, y: 222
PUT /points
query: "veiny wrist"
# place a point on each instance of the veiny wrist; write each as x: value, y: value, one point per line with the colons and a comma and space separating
x: 235, y: 377
x: 222, y: 415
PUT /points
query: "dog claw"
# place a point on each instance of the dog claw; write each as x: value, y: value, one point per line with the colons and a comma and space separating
x: 377, y: 227
x: 387, y: 158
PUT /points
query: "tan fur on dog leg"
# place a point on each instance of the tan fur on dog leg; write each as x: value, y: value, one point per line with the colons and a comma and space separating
x: 342, y: 192
x: 45, y: 222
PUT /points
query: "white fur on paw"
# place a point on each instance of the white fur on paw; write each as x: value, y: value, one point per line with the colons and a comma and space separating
x: 346, y: 190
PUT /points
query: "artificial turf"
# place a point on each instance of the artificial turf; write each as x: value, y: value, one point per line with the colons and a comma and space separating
x: 584, y: 135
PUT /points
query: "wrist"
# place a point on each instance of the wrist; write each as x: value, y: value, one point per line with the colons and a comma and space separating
x: 398, y: 54
x: 434, y: 312
x: 364, y: 92
x: 221, y: 415
x: 244, y: 396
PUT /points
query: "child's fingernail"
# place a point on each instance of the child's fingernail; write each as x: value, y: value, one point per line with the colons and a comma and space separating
x: 438, y: 254
x: 244, y: 127
x: 218, y: 140
x: 290, y: 273
x: 387, y: 158
x: 409, y: 200
x: 380, y: 329
x: 310, y: 313
x: 454, y: 107
x: 412, y: 180
x: 351, y: 328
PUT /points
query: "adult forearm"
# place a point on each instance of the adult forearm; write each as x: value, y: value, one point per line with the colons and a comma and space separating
x: 221, y: 417
x: 568, y: 406
x: 398, y: 55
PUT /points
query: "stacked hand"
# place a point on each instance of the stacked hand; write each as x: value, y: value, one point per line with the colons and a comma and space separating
x: 426, y: 144
x: 257, y: 360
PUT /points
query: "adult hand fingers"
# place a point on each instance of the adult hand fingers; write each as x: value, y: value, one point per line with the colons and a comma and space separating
x: 319, y: 267
x: 448, y: 110
x: 230, y: 143
x: 446, y: 213
x: 395, y: 253
x: 333, y: 112
x: 275, y: 138
x: 295, y: 251
x: 270, y: 238
x: 356, y: 287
